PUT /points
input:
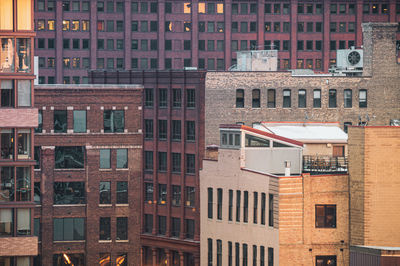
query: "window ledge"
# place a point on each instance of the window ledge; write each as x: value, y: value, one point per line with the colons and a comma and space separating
x: 105, y: 205
x: 105, y: 241
x: 69, y: 205
x: 122, y: 241
x: 69, y: 241
x: 122, y: 205
x: 37, y: 170
x: 69, y: 169
x: 105, y: 170
x: 122, y: 169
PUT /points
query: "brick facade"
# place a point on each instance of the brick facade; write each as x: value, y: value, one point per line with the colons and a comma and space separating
x: 93, y: 99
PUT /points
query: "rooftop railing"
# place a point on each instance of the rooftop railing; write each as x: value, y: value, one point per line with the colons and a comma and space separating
x: 316, y: 165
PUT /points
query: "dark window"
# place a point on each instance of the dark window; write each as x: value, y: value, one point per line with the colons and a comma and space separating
x: 230, y: 253
x: 191, y: 98
x: 105, y: 192
x: 187, y: 45
x: 122, y: 228
x: 162, y: 225
x: 244, y: 255
x: 69, y: 157
x: 219, y: 203
x: 234, y: 27
x: 332, y: 98
x: 148, y: 128
x: 263, y: 201
x: 333, y: 8
x: 153, y: 26
x: 168, y: 7
x: 271, y: 210
x: 175, y: 227
x: 202, y: 26
x: 36, y: 228
x: 149, y: 98
x: 69, y: 193
x: 176, y: 130
x: 105, y: 228
x: 148, y: 161
x: 300, y: 45
x: 219, y: 252
x: 239, y: 98
x: 60, y: 121
x: 162, y: 161
x: 37, y: 193
x: 210, y: 203
x: 190, y: 163
x: 176, y: 162
x: 267, y: 9
x: 286, y: 99
x: 148, y: 192
x: 5, y: 94
x: 190, y: 196
x: 122, y: 192
x: 237, y: 253
x: 256, y: 98
x: 114, y: 121
x: 285, y: 45
x: 148, y: 223
x: 163, y: 98
x: 238, y: 205
x: 245, y: 206
x: 105, y: 159
x: 189, y: 223
x: 317, y: 98
x: 302, y: 99
x: 176, y: 196
x: 190, y: 131
x: 325, y: 216
x: 162, y: 194
x: 230, y: 210
x: 162, y: 129
x: 348, y: 98
x: 122, y: 158
x: 362, y: 99
x: 271, y: 257
x: 325, y: 260
x: 68, y: 229
x: 209, y: 252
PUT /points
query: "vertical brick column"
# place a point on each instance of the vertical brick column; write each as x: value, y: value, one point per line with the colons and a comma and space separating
x: 359, y: 20
x: 93, y: 34
x: 161, y: 34
x: 127, y: 34
x: 260, y: 25
x: 326, y: 36
x: 195, y: 34
x: 228, y: 34
x: 293, y: 34
x: 59, y: 42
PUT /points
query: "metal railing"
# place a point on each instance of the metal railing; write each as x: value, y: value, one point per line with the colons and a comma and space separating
x: 316, y: 165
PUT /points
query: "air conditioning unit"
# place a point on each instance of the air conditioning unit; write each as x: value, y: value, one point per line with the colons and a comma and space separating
x: 349, y: 59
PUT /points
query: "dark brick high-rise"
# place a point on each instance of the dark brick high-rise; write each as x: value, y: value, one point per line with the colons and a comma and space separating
x: 73, y: 36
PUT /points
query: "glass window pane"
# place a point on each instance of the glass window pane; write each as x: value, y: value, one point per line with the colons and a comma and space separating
x: 80, y: 121
x: 6, y: 15
x: 79, y: 229
x: 122, y: 158
x: 6, y: 222
x: 23, y: 59
x: 24, y: 93
x: 122, y: 192
x: 7, y: 55
x: 24, y: 19
x: 23, y: 221
x: 105, y: 157
x: 24, y: 144
x: 58, y: 229
x: 105, y: 192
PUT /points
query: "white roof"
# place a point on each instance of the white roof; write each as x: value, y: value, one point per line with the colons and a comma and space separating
x: 306, y: 132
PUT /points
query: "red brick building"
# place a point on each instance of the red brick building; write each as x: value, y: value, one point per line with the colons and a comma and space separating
x: 87, y: 179
x: 18, y: 119
x: 173, y: 147
x: 133, y: 34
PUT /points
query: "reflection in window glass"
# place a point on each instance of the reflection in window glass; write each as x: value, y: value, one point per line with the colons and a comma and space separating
x: 7, y: 184
x: 23, y: 188
x: 79, y: 121
x: 24, y: 93
x: 68, y: 259
x: 23, y: 59
x: 69, y: 193
x: 7, y: 145
x: 7, y: 55
x: 6, y: 222
x: 105, y: 192
x: 69, y: 157
x: 105, y: 158
x: 6, y: 15
x: 24, y: 14
x: 24, y: 144
x: 122, y: 158
x: 122, y: 192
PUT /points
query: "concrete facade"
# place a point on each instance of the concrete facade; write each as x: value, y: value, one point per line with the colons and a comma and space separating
x: 125, y: 34
x: 120, y: 202
x: 374, y: 185
x: 380, y: 80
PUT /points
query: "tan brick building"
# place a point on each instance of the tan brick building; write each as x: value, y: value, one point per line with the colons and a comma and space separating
x: 249, y: 97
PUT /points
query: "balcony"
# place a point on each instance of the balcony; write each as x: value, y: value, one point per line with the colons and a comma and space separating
x: 317, y: 165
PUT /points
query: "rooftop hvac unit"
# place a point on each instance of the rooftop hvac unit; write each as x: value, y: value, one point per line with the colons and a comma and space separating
x: 349, y: 59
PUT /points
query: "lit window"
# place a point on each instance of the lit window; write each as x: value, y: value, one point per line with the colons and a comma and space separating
x: 85, y: 25
x: 202, y: 8
x: 220, y: 8
x: 6, y: 14
x: 50, y: 25
x: 24, y: 14
x: 40, y: 24
x: 187, y: 8
x: 325, y: 216
x: 75, y: 25
x: 65, y: 25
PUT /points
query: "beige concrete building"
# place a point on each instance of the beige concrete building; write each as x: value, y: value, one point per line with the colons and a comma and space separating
x: 374, y: 166
x: 239, y: 217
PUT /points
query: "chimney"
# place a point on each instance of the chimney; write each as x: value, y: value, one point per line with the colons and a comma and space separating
x: 379, y: 42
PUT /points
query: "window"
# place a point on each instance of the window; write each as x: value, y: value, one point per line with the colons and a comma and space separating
x: 148, y: 161
x: 113, y: 121
x: 230, y: 253
x: 210, y: 203
x: 300, y: 45
x: 148, y: 98
x: 348, y: 98
x: 317, y: 98
x: 69, y: 193
x: 239, y: 98
x: 122, y: 228
x: 237, y: 254
x: 190, y: 196
x: 162, y: 194
x: 267, y: 26
x: 79, y: 121
x: 375, y: 8
x: 263, y: 199
x: 24, y: 93
x: 286, y: 98
x: 342, y: 26
x: 219, y: 252
x: 120, y: 26
x: 190, y: 163
x: 122, y: 192
x: 220, y: 26
x: 244, y: 255
x: 190, y: 130
x: 175, y: 227
x: 189, y: 223
x: 362, y: 99
x: 105, y: 228
x: 162, y: 225
x: 332, y: 98
x: 105, y: 192
x: 148, y: 192
x: 162, y: 129
x: 245, y: 206
x: 210, y: 252
x: 300, y: 26
x: 302, y: 99
x: 255, y: 207
x: 325, y: 260
x: 68, y: 229
x: 270, y: 257
x: 256, y: 98
x: 176, y: 162
x: 69, y: 157
x: 105, y: 159
x: 219, y: 203
x: 85, y: 6
x: 162, y: 161
x: 267, y: 9
x: 230, y: 210
x: 148, y: 223
x: 122, y: 158
x: 37, y: 151
x: 176, y: 196
x: 191, y: 98
x: 325, y: 216
x: 333, y: 8
x: 238, y: 205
